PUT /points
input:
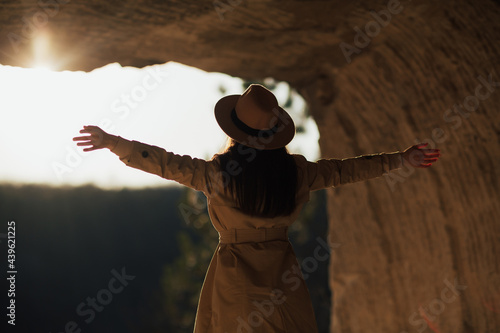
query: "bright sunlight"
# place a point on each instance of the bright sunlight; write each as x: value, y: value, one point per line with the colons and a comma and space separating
x: 170, y: 106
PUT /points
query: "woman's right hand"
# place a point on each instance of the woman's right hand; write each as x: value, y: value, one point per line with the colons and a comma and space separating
x: 98, y: 139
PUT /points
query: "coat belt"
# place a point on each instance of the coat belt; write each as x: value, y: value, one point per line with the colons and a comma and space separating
x: 253, y: 235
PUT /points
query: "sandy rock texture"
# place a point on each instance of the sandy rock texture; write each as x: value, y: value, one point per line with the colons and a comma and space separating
x: 419, y: 248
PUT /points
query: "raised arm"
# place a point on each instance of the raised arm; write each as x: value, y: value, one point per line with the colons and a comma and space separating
x: 188, y: 171
x: 335, y: 172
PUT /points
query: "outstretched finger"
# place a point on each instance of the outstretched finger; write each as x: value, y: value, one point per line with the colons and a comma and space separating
x: 87, y: 143
x: 430, y: 151
x: 89, y: 129
x: 80, y: 138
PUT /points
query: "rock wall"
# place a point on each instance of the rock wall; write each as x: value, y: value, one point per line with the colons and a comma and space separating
x: 419, y: 248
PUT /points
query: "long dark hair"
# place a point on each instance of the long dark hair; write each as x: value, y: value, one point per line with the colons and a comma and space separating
x: 262, y: 182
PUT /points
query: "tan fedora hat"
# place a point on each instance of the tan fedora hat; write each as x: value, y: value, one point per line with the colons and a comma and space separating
x: 255, y: 119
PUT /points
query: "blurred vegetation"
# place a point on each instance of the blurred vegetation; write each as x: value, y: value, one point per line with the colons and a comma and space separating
x: 69, y: 239
x: 183, y: 279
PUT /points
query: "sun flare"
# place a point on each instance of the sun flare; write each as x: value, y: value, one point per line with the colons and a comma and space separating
x: 42, y: 109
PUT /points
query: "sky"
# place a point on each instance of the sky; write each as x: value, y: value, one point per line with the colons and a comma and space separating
x: 169, y: 105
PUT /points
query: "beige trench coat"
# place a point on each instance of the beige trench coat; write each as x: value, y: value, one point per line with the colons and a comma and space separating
x: 254, y: 282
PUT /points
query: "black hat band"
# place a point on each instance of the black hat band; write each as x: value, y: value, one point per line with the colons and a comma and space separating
x: 249, y: 130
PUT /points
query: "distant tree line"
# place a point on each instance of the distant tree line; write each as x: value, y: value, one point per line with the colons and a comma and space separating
x: 70, y: 239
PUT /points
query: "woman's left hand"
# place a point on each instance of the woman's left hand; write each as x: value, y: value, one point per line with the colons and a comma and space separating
x: 420, y: 157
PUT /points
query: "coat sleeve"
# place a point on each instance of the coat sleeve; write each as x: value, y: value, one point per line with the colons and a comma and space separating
x: 184, y: 169
x: 334, y: 172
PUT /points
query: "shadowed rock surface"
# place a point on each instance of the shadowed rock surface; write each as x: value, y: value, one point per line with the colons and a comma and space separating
x: 422, y: 76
